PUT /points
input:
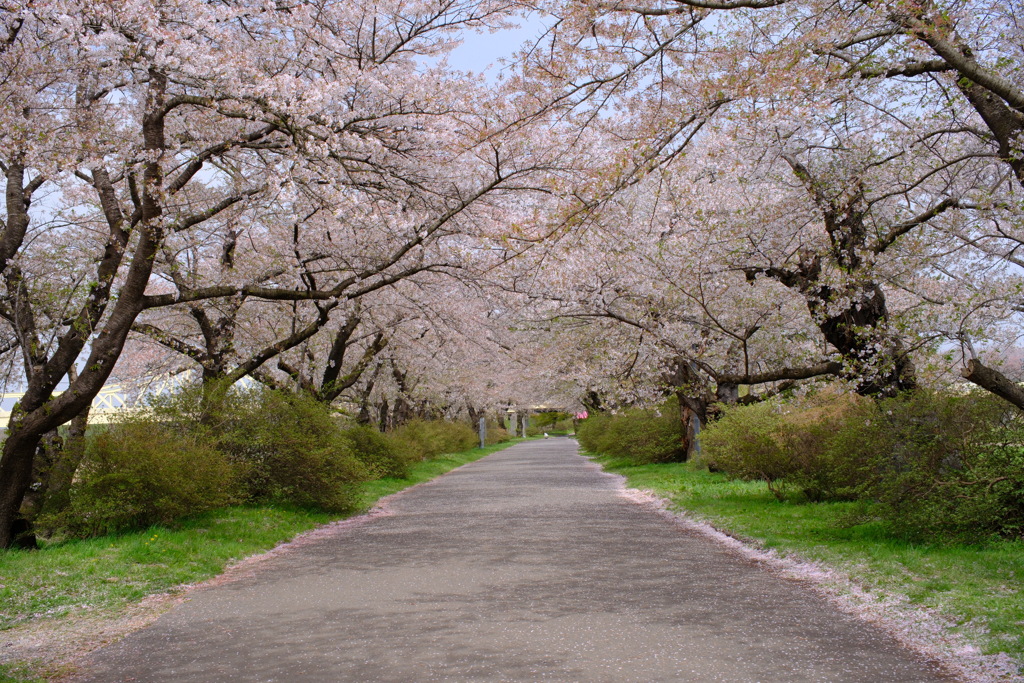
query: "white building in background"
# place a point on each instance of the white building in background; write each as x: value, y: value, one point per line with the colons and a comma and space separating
x: 107, y: 403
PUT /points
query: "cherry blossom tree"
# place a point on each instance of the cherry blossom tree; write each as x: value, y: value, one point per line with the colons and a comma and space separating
x: 664, y: 197
x: 650, y: 306
x: 961, y: 64
x: 129, y: 127
x: 866, y: 135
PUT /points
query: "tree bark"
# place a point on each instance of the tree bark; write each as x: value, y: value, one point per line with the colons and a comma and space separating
x: 63, y: 471
x: 474, y: 414
x: 826, y: 368
x: 994, y: 381
x: 40, y: 410
x: 592, y: 402
x: 365, y: 417
x: 15, y: 478
x: 727, y: 392
x: 334, y: 383
x: 693, y: 415
x: 1005, y: 123
x: 885, y: 371
x: 47, y: 456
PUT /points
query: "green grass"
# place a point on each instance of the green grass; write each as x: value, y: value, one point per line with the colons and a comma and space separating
x: 976, y: 585
x: 110, y: 571
x: 18, y: 673
x: 103, y: 575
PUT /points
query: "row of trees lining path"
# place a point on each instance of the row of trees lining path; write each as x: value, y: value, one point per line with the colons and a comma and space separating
x: 659, y: 197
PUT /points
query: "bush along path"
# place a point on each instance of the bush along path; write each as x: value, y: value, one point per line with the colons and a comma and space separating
x: 66, y: 599
x: 959, y: 602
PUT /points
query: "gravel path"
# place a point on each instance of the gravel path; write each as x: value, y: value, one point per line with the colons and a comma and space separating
x: 527, y: 565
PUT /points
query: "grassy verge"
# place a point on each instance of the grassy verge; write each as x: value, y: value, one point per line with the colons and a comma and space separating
x: 978, y: 586
x: 106, y: 574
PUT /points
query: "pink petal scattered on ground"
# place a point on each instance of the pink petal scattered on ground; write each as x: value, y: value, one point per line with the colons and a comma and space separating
x: 920, y: 629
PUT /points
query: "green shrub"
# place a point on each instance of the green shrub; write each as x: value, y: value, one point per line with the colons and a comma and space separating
x: 591, y: 432
x: 426, y: 439
x: 647, y: 436
x: 800, y: 446
x: 944, y: 467
x: 291, y: 450
x: 205, y: 447
x: 377, y: 452
x: 826, y: 463
x: 495, y: 434
x: 285, y: 447
x: 141, y: 472
x: 745, y: 444
x: 934, y: 466
x: 641, y: 436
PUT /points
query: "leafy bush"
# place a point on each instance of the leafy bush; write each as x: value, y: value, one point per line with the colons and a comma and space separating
x: 944, y: 466
x: 377, y: 452
x: 639, y: 435
x: 592, y: 432
x: 141, y: 472
x: 826, y: 465
x: 745, y: 443
x: 495, y: 434
x: 647, y: 436
x: 292, y: 451
x: 285, y: 447
x: 797, y: 446
x: 935, y: 466
x: 205, y: 447
x: 425, y: 439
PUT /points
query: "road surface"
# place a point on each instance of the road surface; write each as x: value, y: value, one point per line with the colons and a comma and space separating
x: 528, y: 565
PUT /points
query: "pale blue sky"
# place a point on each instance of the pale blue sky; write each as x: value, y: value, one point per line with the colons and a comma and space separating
x: 480, y: 52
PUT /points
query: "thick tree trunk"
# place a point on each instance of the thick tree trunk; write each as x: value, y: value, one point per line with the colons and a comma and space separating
x: 401, y: 412
x: 364, y: 417
x: 693, y: 415
x: 48, y: 454
x: 878, y: 364
x: 1005, y: 123
x: 727, y: 393
x: 62, y: 474
x: 15, y: 478
x: 994, y: 382
x: 691, y: 390
x: 592, y: 402
x: 874, y: 357
x: 212, y: 392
